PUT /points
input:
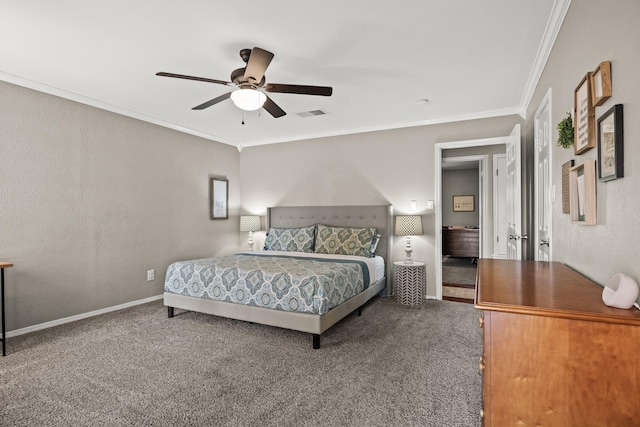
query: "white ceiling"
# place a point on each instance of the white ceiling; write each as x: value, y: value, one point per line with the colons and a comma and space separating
x: 469, y: 58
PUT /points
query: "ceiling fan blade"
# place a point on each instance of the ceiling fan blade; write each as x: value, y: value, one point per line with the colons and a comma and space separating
x: 273, y: 109
x: 212, y: 102
x: 259, y: 60
x: 200, y: 79
x: 299, y: 89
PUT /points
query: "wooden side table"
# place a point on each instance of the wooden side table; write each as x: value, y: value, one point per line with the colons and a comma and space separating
x: 3, y: 265
x: 410, y: 282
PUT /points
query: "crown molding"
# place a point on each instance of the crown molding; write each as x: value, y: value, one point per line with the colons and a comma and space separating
x: 558, y: 13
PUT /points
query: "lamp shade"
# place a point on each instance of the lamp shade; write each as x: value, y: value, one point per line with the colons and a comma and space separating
x: 250, y: 223
x: 408, y: 225
x: 248, y: 99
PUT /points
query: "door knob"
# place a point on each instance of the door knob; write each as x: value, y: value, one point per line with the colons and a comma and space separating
x: 512, y: 237
x: 524, y: 237
x: 544, y: 242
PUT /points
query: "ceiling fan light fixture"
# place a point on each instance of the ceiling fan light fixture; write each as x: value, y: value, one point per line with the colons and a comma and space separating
x: 248, y: 99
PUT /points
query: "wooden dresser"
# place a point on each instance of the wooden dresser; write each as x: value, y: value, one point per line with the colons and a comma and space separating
x: 461, y: 242
x: 554, y: 353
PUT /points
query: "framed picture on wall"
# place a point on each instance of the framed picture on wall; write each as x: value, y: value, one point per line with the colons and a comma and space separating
x: 601, y: 83
x: 583, y: 193
x: 219, y: 198
x: 610, y: 145
x: 463, y: 204
x: 584, y: 117
x: 566, y: 203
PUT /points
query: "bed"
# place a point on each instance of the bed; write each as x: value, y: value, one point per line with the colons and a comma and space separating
x: 234, y: 286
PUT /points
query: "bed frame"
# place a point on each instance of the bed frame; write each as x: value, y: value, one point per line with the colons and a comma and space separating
x: 315, y: 324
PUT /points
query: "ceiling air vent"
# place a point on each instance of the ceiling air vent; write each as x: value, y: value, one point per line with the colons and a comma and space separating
x: 312, y: 113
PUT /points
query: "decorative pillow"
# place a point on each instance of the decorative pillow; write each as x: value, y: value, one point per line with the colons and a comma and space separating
x: 290, y: 239
x: 374, y: 244
x: 344, y: 240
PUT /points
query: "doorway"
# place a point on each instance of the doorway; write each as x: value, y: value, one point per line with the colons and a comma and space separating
x: 464, y: 197
x: 485, y: 239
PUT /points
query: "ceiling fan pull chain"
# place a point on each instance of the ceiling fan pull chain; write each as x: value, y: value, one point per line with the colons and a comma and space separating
x: 243, y: 117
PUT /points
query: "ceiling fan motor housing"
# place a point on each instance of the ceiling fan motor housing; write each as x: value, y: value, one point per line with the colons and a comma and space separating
x: 237, y: 77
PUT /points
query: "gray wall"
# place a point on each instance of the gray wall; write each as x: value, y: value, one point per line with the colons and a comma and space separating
x: 463, y: 182
x: 90, y: 200
x: 386, y: 167
x: 595, y: 31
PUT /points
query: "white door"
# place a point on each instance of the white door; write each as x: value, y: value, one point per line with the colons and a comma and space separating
x: 500, y: 206
x: 542, y: 179
x: 514, y: 207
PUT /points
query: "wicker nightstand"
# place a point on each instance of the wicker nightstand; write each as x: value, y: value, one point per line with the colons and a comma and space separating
x: 410, y: 282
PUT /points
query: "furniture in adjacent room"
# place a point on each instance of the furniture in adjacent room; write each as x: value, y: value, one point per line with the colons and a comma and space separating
x: 3, y: 265
x: 554, y: 353
x: 461, y: 242
x: 410, y: 281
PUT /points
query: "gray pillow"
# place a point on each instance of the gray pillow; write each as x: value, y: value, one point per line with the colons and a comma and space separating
x: 290, y: 239
x: 344, y: 240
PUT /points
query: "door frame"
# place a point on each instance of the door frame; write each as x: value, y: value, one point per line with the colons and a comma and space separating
x: 439, y: 147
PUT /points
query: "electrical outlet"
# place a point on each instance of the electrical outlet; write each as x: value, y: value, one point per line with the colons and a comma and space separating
x: 151, y: 275
x: 430, y: 204
x: 414, y: 205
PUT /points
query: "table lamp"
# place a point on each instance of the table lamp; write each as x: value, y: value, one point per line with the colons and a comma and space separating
x: 408, y: 225
x: 250, y: 223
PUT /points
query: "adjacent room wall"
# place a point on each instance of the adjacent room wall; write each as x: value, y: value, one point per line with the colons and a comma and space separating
x: 595, y: 31
x: 386, y: 167
x: 464, y: 182
x: 91, y: 200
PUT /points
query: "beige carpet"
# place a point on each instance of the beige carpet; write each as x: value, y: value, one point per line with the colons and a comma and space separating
x: 393, y: 366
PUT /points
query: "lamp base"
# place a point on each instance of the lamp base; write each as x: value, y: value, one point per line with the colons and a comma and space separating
x: 408, y: 250
x: 408, y: 260
x: 250, y: 242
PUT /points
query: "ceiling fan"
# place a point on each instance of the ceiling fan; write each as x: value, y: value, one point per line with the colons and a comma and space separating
x: 251, y: 84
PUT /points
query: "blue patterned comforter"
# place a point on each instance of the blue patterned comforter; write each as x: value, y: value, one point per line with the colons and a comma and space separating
x: 279, y: 280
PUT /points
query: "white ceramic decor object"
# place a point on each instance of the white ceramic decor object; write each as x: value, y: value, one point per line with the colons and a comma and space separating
x: 621, y: 291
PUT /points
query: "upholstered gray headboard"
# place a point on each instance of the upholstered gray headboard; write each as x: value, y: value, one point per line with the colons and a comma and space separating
x: 343, y: 216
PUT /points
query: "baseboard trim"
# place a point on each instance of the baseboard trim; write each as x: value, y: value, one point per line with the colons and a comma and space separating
x: 70, y: 319
x: 456, y: 299
x: 454, y: 285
